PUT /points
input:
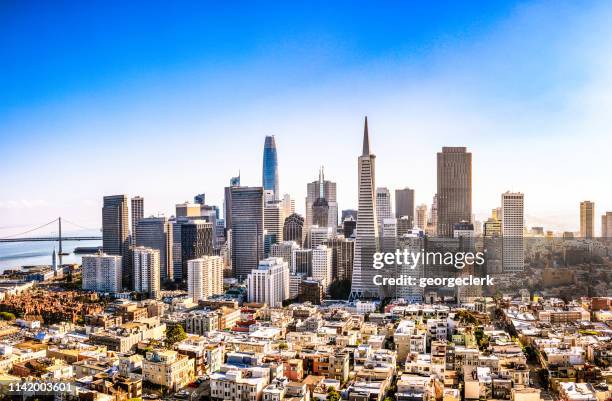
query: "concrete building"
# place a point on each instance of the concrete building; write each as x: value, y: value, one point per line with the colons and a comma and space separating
x: 137, y: 204
x: 247, y: 220
x: 404, y: 204
x: 156, y: 233
x: 421, y: 216
x: 383, y: 206
x: 204, y: 277
x: 197, y: 237
x: 102, y: 273
x: 324, y: 191
x: 322, y: 265
x: 293, y: 228
x: 115, y: 232
x: 147, y: 271
x: 454, y: 189
x: 366, y: 238
x: 168, y: 368
x: 587, y: 219
x: 269, y: 283
x: 513, y: 227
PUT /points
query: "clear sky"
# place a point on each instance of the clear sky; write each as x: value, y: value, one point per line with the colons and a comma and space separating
x: 166, y: 101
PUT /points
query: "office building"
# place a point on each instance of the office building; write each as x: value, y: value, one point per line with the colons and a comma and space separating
x: 187, y: 209
x: 269, y: 282
x: 513, y: 256
x: 102, y: 273
x: 342, y: 256
x: 247, y: 229
x: 137, y: 204
x: 404, y: 225
x: 383, y: 206
x: 284, y: 250
x: 196, y: 242
x: 322, y: 265
x: 115, y: 232
x: 421, y: 216
x: 293, y: 228
x: 204, y: 277
x: 270, y: 167
x: 404, y: 204
x: 227, y: 201
x: 411, y: 241
x: 288, y: 205
x: 147, y: 271
x: 274, y: 219
x: 366, y: 238
x: 454, y: 189
x: 587, y: 219
x: 156, y: 233
x: 301, y: 262
x: 466, y: 234
x: 606, y: 225
x: 318, y: 235
x: 323, y: 193
x: 349, y: 225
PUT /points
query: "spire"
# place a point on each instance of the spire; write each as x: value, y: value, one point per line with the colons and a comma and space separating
x: 366, y: 139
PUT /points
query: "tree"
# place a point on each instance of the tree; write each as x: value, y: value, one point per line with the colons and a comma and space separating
x: 7, y: 316
x: 175, y: 334
x: 333, y: 394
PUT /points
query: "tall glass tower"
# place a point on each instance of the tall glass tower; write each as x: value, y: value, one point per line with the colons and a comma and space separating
x: 270, y: 167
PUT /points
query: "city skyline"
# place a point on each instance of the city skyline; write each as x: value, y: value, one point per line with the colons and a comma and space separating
x: 54, y: 164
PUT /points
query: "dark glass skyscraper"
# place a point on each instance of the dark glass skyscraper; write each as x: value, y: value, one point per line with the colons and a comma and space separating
x: 270, y: 167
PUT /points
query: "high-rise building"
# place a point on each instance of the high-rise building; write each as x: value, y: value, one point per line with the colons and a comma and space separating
x: 196, y: 242
x: 137, y: 214
x: 318, y: 235
x: 606, y: 225
x: 454, y: 189
x: 274, y: 219
x: 288, y: 205
x: 413, y: 243
x: 269, y: 282
x: 146, y: 271
x: 301, y: 262
x: 292, y: 228
x: 187, y: 209
x: 587, y: 219
x: 322, y: 265
x: 270, y: 167
x: 227, y: 201
x: 404, y: 225
x: 200, y: 199
x: 366, y: 244
x: 389, y: 235
x: 466, y: 234
x: 421, y: 216
x: 156, y: 233
x: 204, y: 277
x: 322, y: 194
x: 492, y: 228
x: 102, y: 273
x: 404, y: 204
x: 383, y: 206
x: 513, y: 227
x: 349, y: 225
x: 432, y: 225
x: 343, y: 250
x: 115, y: 232
x: 247, y: 229
x: 284, y: 250
x: 349, y: 213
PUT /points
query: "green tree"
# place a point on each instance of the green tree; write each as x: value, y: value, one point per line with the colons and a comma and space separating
x: 7, y: 316
x: 175, y: 334
x: 333, y: 394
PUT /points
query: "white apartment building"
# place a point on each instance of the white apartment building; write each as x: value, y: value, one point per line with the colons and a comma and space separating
x: 102, y: 273
x: 322, y: 265
x: 204, y: 277
x: 168, y: 368
x: 147, y: 271
x: 269, y: 283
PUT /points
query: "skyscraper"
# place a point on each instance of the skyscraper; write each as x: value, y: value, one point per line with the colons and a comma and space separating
x: 274, y: 220
x: 606, y: 225
x: 454, y: 189
x: 383, y: 206
x: 204, y: 277
x: 342, y: 258
x: 270, y: 167
x: 404, y: 204
x: 421, y: 216
x: 147, y: 271
x: 292, y: 228
x: 137, y: 214
x: 321, y: 200
x: 322, y: 265
x: 156, y: 233
x: 115, y: 231
x: 227, y: 201
x: 366, y: 242
x: 587, y: 219
x: 513, y: 214
x: 247, y: 229
x: 197, y: 238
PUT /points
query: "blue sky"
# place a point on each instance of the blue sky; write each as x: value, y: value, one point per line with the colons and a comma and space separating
x: 167, y: 101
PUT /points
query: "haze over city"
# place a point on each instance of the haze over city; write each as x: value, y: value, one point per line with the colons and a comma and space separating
x: 176, y: 103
